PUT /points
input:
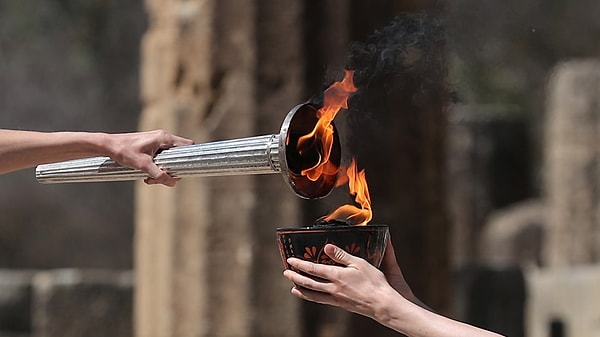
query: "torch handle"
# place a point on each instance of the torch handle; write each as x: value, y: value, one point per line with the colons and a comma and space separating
x: 252, y: 155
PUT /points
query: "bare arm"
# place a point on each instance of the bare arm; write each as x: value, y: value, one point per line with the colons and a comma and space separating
x: 361, y: 288
x: 23, y: 149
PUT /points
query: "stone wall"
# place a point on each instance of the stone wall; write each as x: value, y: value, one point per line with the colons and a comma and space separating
x: 553, y: 240
x: 67, y: 302
x: 484, y: 171
x: 563, y: 302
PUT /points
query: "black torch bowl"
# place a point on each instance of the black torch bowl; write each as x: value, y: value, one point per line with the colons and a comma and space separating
x: 308, y: 243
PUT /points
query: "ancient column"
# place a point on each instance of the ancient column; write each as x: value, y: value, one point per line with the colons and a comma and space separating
x: 572, y: 237
x: 572, y: 164
x: 205, y: 254
x: 279, y: 86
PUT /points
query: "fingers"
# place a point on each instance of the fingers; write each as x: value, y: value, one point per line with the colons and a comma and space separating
x: 179, y: 141
x: 303, y: 281
x: 314, y: 296
x: 314, y: 269
x: 339, y: 255
x: 145, y: 163
x: 137, y: 150
x: 163, y: 178
x: 152, y: 169
x: 167, y: 140
x: 315, y: 290
x: 328, y: 272
x: 157, y: 175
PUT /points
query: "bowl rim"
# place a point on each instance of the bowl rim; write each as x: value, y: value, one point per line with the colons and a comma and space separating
x: 331, y: 228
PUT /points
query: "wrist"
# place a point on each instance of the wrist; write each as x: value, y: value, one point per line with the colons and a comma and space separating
x: 403, y: 314
x: 78, y: 144
x: 101, y: 144
x: 391, y: 309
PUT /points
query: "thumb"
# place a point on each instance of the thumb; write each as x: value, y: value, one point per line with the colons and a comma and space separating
x: 339, y: 255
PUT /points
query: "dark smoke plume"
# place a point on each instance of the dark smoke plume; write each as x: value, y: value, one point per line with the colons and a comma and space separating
x: 400, y: 73
x: 404, y: 58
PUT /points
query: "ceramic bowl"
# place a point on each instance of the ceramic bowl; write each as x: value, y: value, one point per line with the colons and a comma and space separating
x: 308, y: 243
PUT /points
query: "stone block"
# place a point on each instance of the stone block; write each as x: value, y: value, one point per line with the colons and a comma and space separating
x: 15, y: 302
x: 513, y: 236
x: 563, y: 302
x: 70, y: 303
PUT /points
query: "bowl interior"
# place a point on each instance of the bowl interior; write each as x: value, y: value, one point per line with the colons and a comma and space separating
x: 308, y: 243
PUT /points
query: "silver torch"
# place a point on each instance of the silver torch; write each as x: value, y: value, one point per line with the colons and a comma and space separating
x: 275, y: 153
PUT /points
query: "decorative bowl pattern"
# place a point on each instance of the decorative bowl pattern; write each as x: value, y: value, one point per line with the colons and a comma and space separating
x: 308, y: 243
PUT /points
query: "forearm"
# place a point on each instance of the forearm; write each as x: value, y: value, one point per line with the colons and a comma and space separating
x: 23, y: 149
x: 415, y: 321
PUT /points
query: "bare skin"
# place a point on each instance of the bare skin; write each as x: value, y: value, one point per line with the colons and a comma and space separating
x: 382, y: 295
x: 23, y: 149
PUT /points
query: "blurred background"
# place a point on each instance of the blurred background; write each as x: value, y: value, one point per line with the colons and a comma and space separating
x: 477, y: 123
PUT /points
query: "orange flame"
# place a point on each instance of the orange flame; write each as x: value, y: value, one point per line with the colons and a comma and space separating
x: 335, y: 99
x: 357, y: 183
x: 321, y: 138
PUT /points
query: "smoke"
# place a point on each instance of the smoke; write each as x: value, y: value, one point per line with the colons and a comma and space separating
x: 402, y: 63
x: 404, y: 58
x: 400, y: 73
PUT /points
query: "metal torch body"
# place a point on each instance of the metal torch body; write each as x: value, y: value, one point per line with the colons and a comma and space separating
x: 243, y: 156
